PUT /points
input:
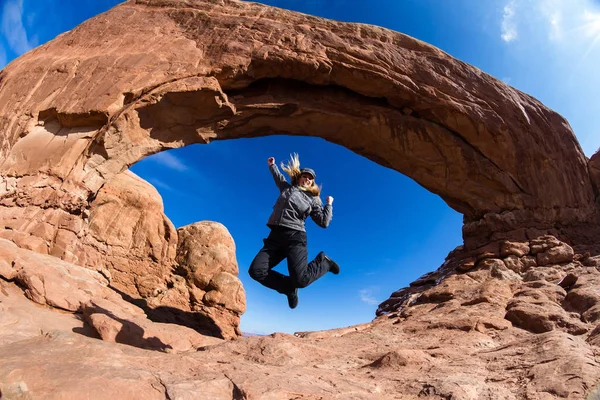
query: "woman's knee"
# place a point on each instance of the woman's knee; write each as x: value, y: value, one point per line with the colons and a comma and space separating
x: 301, y: 281
x: 257, y: 271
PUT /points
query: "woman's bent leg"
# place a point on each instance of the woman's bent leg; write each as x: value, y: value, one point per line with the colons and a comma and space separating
x: 262, y: 266
x: 301, y: 271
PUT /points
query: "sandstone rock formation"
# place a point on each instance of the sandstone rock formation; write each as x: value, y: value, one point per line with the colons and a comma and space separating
x: 124, y: 234
x: 485, y: 333
x: 539, y: 285
x: 84, y: 293
x: 206, y: 259
x: 156, y: 74
x: 130, y: 236
x: 512, y: 314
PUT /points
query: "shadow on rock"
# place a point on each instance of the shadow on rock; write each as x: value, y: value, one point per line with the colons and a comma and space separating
x: 115, y: 329
x: 171, y: 315
x: 86, y: 329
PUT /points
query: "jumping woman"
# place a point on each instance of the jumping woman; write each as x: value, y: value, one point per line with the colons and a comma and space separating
x: 287, y: 238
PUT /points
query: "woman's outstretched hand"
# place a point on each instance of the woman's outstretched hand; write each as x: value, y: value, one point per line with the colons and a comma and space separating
x: 329, y: 200
x: 271, y: 161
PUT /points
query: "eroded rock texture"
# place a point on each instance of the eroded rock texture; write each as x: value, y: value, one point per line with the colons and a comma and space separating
x: 206, y: 259
x: 82, y: 295
x: 512, y: 314
x: 124, y: 234
x: 506, y: 288
x: 486, y: 331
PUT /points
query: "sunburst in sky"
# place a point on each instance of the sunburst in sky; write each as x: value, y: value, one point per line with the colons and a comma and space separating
x: 591, y: 29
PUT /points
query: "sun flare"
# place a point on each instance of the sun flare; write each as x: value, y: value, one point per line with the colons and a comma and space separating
x: 591, y: 29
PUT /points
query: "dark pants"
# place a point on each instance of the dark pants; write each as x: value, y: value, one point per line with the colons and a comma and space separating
x: 291, y: 244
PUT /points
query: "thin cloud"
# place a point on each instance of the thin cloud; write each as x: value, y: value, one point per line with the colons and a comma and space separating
x: 547, y: 14
x: 169, y: 160
x: 158, y: 184
x: 572, y: 29
x: 556, y: 29
x: 509, y: 23
x: 2, y: 57
x: 12, y: 27
x: 366, y: 295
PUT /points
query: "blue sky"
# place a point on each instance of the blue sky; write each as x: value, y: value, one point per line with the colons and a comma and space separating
x: 386, y: 230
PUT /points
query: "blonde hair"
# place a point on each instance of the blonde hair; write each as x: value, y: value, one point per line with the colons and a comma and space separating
x: 292, y: 168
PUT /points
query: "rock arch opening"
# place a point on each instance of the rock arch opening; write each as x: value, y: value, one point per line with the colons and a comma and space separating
x: 387, y: 230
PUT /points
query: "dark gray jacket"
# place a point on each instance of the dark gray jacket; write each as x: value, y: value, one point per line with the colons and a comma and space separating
x: 294, y: 205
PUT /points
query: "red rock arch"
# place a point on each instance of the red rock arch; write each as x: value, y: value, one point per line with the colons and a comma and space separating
x: 155, y: 74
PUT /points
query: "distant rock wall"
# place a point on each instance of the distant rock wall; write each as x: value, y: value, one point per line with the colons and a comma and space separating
x: 595, y: 172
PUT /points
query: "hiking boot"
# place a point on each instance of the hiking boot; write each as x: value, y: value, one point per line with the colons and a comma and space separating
x: 334, y: 268
x: 293, y: 298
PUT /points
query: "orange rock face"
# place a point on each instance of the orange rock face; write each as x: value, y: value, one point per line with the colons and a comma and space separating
x: 206, y: 259
x: 129, y: 234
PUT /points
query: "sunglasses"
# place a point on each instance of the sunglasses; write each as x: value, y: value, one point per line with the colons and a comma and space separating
x: 307, y: 176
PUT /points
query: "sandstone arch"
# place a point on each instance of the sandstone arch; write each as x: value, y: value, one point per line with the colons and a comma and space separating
x: 150, y: 75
